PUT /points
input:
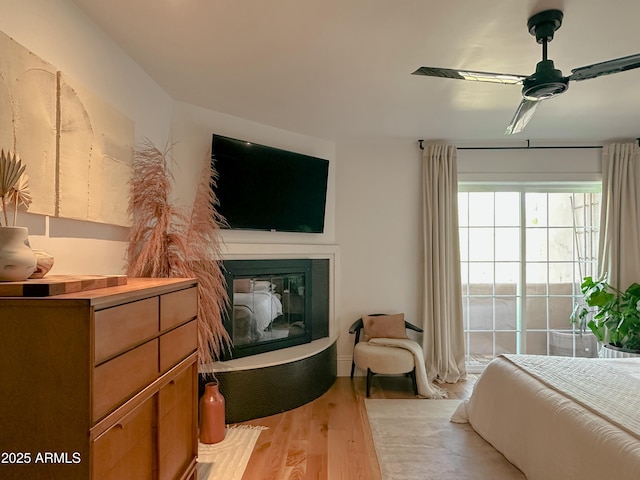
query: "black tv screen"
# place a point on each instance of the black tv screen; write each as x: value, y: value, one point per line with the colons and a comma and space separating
x: 265, y: 188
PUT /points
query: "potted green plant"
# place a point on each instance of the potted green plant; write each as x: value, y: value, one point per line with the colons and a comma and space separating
x: 611, y: 314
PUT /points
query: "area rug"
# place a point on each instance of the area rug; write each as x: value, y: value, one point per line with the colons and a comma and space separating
x: 414, y: 440
x: 228, y: 459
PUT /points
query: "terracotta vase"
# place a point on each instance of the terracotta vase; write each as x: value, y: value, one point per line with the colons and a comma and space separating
x: 212, y: 419
x: 17, y: 260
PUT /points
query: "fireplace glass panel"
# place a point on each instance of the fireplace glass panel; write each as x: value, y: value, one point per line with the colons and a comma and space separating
x: 268, y: 308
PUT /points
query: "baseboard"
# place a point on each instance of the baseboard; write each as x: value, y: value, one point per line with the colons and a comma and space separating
x: 344, y: 366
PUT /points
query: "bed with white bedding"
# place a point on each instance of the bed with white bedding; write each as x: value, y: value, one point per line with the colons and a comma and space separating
x: 560, y: 418
x: 253, y: 313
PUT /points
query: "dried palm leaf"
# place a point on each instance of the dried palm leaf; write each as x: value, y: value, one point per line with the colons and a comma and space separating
x: 20, y: 195
x: 10, y: 170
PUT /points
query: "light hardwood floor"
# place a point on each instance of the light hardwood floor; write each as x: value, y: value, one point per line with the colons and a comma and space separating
x: 329, y: 438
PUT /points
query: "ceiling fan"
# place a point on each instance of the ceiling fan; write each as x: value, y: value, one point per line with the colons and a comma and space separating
x: 546, y: 82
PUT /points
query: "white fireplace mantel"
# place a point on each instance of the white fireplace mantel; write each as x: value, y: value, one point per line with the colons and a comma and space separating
x: 241, y: 251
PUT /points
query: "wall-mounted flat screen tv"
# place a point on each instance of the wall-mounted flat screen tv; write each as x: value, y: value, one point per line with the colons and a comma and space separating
x: 265, y: 188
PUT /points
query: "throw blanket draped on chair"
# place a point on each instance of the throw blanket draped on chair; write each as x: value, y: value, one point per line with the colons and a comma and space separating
x: 426, y: 389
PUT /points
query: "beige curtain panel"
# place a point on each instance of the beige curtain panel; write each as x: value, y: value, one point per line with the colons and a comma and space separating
x: 619, y: 252
x: 443, y: 340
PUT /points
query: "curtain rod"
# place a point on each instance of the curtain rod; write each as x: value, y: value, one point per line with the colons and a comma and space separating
x: 528, y: 147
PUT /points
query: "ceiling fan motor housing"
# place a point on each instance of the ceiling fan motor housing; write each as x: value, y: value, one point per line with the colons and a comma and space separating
x: 545, y: 83
x: 544, y: 24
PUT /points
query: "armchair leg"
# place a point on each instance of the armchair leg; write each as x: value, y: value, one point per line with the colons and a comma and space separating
x: 369, y: 375
x: 413, y: 379
x: 353, y: 367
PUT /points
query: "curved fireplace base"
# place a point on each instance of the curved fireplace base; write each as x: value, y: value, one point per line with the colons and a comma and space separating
x: 274, y: 382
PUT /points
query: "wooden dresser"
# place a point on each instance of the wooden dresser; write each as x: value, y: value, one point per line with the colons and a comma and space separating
x: 100, y: 384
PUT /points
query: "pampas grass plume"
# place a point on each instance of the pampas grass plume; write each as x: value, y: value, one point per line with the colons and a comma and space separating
x: 167, y: 242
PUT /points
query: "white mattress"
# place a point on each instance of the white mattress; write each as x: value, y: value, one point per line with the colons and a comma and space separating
x: 555, y: 433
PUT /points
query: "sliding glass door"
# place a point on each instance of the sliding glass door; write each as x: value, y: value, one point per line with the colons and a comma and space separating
x: 524, y: 251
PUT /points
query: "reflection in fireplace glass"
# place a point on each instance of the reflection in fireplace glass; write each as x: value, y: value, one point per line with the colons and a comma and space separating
x: 267, y: 308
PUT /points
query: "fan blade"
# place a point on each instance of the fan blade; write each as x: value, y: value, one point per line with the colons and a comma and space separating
x: 523, y: 115
x: 505, y: 78
x: 606, y: 68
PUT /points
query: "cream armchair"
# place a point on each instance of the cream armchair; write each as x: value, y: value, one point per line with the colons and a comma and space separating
x: 382, y: 359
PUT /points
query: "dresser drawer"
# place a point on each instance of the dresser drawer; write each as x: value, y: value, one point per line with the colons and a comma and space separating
x: 119, y: 328
x: 177, y: 419
x: 178, y: 307
x: 120, y: 378
x: 178, y: 344
x: 126, y: 450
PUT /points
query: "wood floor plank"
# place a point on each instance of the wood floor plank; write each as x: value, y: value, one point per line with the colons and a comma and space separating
x: 317, y: 452
x: 329, y: 438
x: 296, y: 459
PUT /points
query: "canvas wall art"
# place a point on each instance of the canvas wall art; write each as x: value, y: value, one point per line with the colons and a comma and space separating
x: 28, y: 118
x: 95, y: 157
x: 78, y: 149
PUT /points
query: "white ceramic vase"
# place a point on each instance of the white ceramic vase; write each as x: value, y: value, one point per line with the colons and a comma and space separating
x: 44, y: 263
x: 17, y: 260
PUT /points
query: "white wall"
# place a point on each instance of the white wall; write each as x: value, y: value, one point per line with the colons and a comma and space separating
x: 193, y: 128
x: 59, y: 33
x: 379, y: 231
x: 192, y: 132
x: 379, y: 218
x: 374, y: 199
x: 540, y: 165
